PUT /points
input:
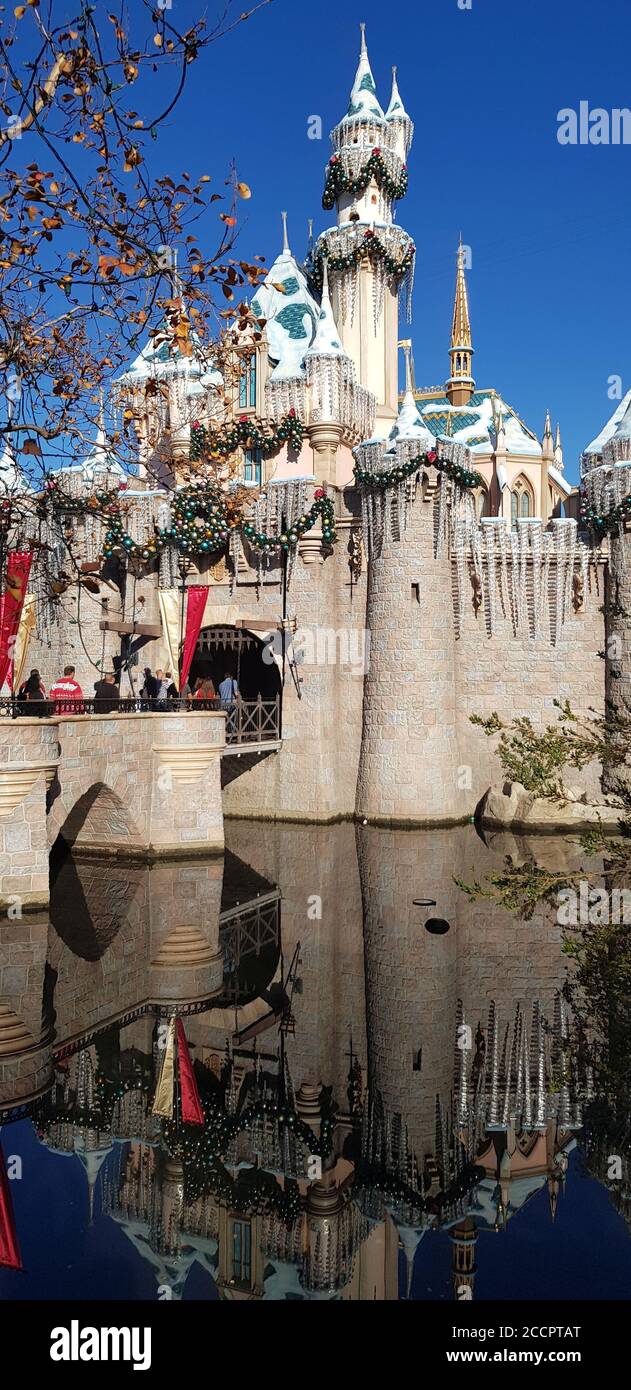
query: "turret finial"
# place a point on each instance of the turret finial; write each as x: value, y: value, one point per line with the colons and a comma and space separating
x: 363, y: 48
x: 461, y: 384
x: 285, y: 240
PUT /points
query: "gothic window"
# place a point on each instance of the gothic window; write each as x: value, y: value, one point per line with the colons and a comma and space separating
x: 483, y: 503
x: 247, y: 382
x: 242, y: 1252
x: 522, y: 499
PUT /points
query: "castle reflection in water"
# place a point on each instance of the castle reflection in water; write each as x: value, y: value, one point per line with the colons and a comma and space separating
x: 369, y: 1086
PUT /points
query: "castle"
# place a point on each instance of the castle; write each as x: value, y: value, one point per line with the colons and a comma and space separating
x: 404, y: 563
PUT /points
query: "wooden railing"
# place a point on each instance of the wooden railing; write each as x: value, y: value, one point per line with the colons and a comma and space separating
x: 247, y: 721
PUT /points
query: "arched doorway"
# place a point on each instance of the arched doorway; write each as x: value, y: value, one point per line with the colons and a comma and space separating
x: 235, y: 652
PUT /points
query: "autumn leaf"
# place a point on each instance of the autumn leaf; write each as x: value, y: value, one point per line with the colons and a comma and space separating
x: 244, y: 190
x: 229, y: 221
x: 31, y: 446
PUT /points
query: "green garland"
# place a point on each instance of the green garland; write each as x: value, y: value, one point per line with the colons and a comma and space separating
x: 337, y: 181
x: 322, y: 507
x: 391, y: 477
x: 603, y: 525
x: 246, y: 433
x: 200, y: 526
x: 370, y: 246
x: 81, y: 506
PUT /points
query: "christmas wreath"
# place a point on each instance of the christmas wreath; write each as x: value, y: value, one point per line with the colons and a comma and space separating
x: 199, y: 522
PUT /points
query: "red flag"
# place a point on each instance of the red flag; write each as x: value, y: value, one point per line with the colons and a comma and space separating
x: 196, y: 596
x: 192, y: 1112
x: 11, y: 605
x: 9, y: 1248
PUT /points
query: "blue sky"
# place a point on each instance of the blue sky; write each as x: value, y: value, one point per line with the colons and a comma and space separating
x: 547, y: 224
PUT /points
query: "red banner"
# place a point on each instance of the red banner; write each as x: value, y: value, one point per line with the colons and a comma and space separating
x: 196, y: 596
x: 11, y: 605
x: 192, y: 1113
x: 9, y: 1248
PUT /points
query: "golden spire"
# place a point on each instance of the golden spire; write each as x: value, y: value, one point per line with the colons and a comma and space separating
x: 461, y: 327
x: 461, y: 385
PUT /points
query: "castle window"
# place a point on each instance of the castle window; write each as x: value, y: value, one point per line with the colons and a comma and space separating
x: 522, y: 499
x: 242, y: 1252
x: 247, y: 382
x: 252, y: 466
x: 483, y: 503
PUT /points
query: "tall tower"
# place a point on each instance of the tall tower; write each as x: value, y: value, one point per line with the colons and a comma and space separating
x: 368, y: 256
x: 461, y: 385
x: 464, y: 1238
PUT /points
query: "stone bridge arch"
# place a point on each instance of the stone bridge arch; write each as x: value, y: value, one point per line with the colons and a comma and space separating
x: 99, y: 819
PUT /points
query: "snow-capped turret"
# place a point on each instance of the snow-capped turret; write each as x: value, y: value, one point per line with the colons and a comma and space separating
x: 334, y: 392
x: 618, y: 448
x: 409, y: 425
x: 363, y: 106
x: 290, y: 311
x: 399, y: 121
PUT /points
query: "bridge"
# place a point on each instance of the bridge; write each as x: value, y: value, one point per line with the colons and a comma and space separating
x: 137, y: 780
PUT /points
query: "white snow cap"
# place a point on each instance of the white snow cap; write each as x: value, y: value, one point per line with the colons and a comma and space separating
x: 409, y: 424
x: 363, y: 100
x: 396, y: 109
x: 291, y: 313
x: 327, y: 339
x: 597, y: 445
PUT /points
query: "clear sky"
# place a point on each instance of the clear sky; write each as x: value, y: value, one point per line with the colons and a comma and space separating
x: 547, y: 224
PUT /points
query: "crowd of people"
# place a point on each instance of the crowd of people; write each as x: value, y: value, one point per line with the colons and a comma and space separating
x: 158, y: 691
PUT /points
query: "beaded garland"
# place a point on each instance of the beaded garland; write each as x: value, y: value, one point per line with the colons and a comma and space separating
x: 200, y: 526
x: 337, y: 181
x: 391, y: 477
x: 603, y: 525
x: 322, y: 506
x: 371, y: 246
x: 247, y: 433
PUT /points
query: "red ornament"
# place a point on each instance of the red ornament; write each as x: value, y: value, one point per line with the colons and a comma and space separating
x: 334, y: 158
x: 376, y: 150
x: 292, y: 411
x: 431, y: 457
x: 319, y: 492
x: 369, y: 232
x: 122, y: 487
x: 243, y: 419
x: 196, y: 425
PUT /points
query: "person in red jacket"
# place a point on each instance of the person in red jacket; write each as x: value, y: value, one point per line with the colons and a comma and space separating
x: 67, y: 693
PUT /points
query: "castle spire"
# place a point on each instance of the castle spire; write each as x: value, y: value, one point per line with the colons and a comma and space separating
x: 461, y: 385
x: 286, y: 247
x: 364, y: 104
x: 558, y: 451
x: 397, y: 116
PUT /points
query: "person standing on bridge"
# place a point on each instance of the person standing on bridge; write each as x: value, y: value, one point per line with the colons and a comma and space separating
x: 106, y: 694
x: 67, y: 693
x: 230, y: 697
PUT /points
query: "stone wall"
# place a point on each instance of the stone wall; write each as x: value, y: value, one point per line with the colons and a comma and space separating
x: 421, y: 761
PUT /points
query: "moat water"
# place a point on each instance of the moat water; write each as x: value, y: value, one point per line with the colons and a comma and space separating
x: 408, y: 1093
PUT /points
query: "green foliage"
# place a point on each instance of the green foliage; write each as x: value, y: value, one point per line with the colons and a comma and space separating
x: 537, y: 759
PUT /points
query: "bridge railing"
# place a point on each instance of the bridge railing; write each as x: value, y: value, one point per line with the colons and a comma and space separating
x: 247, y: 721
